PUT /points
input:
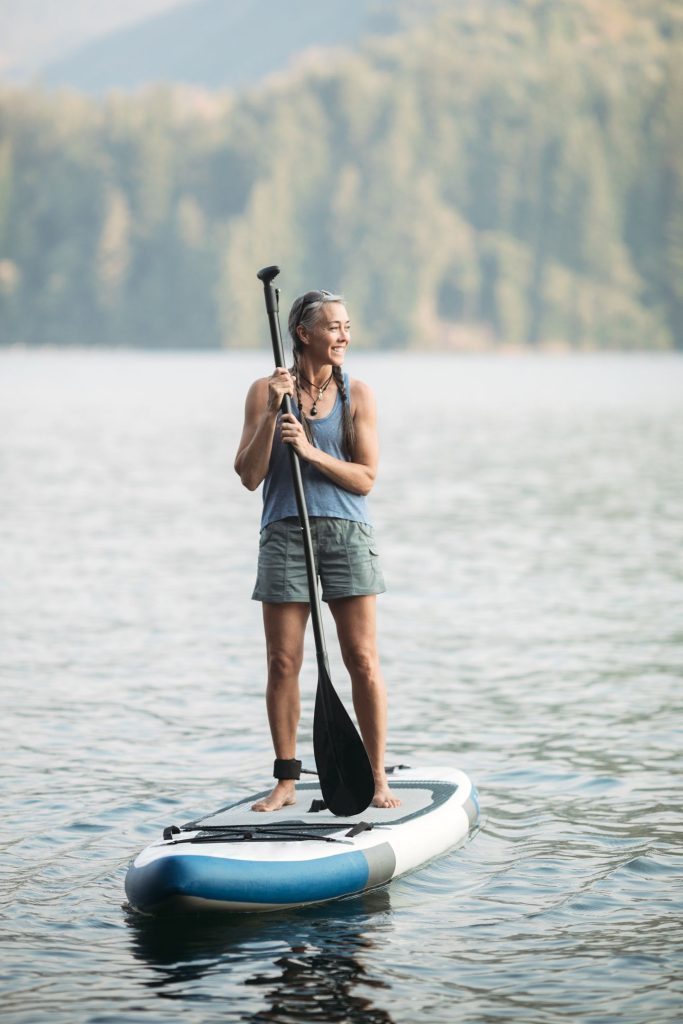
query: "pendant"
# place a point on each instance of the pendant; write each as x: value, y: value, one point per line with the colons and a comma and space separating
x: 314, y: 410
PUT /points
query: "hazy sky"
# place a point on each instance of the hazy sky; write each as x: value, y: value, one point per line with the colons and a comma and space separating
x: 35, y: 31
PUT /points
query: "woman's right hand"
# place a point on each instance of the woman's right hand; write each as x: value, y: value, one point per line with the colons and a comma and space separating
x: 280, y: 383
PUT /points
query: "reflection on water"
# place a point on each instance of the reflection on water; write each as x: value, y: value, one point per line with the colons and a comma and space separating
x: 310, y: 963
x: 530, y: 524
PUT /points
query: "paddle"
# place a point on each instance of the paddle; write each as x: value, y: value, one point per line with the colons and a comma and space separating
x: 344, y: 769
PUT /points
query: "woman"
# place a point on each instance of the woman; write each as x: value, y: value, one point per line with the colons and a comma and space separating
x: 335, y: 437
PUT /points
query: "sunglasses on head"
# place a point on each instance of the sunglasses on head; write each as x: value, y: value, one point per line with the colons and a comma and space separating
x: 309, y: 299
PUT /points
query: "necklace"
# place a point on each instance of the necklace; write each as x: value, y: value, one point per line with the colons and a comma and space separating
x: 320, y: 388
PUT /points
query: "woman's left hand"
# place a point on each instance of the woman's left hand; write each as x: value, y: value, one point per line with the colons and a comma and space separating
x: 292, y: 432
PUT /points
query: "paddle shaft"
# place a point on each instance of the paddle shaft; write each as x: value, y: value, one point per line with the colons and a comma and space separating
x: 267, y: 275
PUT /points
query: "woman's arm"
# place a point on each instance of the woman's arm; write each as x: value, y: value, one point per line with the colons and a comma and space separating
x: 264, y: 399
x: 357, y: 476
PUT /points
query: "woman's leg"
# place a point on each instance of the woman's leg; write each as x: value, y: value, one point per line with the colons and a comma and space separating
x: 285, y: 625
x: 355, y: 618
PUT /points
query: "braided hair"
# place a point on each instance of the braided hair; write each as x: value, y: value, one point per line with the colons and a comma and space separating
x: 305, y: 312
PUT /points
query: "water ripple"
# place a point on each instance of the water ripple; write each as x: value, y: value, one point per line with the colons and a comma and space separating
x: 531, y: 536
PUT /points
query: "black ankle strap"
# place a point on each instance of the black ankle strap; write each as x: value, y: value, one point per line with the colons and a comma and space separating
x: 283, y: 769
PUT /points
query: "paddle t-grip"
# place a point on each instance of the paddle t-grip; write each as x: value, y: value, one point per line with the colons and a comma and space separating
x: 268, y: 275
x: 271, y: 296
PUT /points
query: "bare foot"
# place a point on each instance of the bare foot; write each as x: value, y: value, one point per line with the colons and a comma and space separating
x: 384, y: 797
x: 283, y: 795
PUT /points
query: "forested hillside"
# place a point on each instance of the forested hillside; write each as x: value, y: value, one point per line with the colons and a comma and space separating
x: 504, y: 172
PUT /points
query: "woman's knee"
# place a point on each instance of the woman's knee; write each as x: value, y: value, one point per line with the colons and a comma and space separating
x: 361, y: 661
x: 285, y: 626
x: 283, y: 664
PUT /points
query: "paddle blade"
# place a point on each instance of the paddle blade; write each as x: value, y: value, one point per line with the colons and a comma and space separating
x: 344, y: 770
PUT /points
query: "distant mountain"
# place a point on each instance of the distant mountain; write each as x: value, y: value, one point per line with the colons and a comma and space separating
x: 34, y: 33
x: 217, y: 43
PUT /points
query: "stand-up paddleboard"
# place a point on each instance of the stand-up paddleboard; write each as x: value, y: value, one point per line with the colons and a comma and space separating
x: 242, y: 860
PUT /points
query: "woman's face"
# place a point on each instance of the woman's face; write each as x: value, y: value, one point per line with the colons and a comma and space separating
x: 327, y: 341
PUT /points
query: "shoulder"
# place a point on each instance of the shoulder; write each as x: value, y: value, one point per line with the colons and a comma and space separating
x: 257, y: 395
x: 257, y: 387
x: 360, y: 390
x: 362, y: 397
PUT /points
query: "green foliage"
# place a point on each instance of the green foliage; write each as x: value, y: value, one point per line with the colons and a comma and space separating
x: 500, y: 173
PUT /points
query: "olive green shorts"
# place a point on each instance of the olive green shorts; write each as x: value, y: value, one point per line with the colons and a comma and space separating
x: 345, y: 554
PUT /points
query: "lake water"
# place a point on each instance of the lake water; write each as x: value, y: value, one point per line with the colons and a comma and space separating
x: 530, y: 514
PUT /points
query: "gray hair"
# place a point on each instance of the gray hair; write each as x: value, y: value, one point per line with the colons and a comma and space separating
x: 306, y: 310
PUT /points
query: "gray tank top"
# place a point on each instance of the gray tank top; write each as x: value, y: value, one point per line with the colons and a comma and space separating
x: 323, y: 497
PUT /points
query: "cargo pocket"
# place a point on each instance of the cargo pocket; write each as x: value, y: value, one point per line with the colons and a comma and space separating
x: 367, y: 571
x: 270, y: 574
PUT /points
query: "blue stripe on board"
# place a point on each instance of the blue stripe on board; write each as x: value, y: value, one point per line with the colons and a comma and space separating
x: 245, y: 881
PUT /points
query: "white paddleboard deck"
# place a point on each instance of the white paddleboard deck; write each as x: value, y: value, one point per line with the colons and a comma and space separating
x: 242, y: 860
